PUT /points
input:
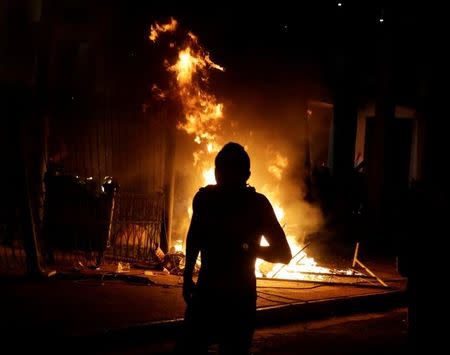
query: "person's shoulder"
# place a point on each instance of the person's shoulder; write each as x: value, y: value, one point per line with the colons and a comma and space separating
x: 263, y: 200
x: 207, y: 190
x: 258, y: 197
x: 205, y: 193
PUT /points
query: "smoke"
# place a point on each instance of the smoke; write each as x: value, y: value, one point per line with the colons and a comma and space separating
x: 274, y: 132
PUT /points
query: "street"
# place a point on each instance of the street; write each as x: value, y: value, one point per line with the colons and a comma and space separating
x: 369, y: 333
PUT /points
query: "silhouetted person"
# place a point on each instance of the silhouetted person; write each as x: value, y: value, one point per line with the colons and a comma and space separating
x: 227, y: 224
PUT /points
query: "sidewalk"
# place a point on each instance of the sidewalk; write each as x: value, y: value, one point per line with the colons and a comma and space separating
x: 93, y: 303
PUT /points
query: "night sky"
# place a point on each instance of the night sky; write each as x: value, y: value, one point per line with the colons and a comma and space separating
x: 288, y: 48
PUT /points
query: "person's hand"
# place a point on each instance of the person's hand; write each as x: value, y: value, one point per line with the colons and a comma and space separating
x: 188, y: 289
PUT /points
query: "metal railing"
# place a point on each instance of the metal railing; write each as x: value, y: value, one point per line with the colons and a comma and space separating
x: 137, y: 224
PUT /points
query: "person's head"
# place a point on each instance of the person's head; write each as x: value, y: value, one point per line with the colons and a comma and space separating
x: 232, y: 165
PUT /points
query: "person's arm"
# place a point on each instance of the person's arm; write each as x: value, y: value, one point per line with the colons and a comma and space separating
x: 278, y: 250
x: 192, y: 250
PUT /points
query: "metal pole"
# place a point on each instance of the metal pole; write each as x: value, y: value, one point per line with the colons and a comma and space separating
x: 356, y: 261
x: 291, y: 259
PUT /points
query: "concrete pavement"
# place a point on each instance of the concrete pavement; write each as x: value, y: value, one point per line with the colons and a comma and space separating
x: 103, y: 304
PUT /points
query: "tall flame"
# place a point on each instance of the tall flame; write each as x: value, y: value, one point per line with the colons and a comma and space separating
x: 201, y: 109
x: 203, y: 115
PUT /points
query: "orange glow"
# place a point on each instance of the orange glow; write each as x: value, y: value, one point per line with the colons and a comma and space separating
x: 278, y: 165
x: 209, y: 177
x: 279, y: 212
x: 157, y: 92
x: 293, y: 271
x: 178, y: 246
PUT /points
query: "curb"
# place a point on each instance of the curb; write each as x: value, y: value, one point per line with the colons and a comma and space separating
x: 325, y: 308
x: 267, y: 316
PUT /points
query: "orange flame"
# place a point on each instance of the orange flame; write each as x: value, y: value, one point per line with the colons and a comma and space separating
x: 157, y: 28
x: 201, y: 110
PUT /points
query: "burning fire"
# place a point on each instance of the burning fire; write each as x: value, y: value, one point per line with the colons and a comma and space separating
x: 301, y: 266
x: 157, y: 28
x: 209, y: 176
x: 178, y: 246
x: 201, y: 110
x: 278, y: 165
x: 203, y: 117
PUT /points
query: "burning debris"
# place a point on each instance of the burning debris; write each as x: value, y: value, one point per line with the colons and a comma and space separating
x: 301, y: 267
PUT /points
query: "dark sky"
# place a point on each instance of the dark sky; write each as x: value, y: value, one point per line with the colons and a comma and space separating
x: 287, y: 47
x: 306, y: 41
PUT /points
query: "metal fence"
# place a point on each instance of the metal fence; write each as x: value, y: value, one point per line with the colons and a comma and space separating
x: 137, y: 224
x: 84, y: 229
